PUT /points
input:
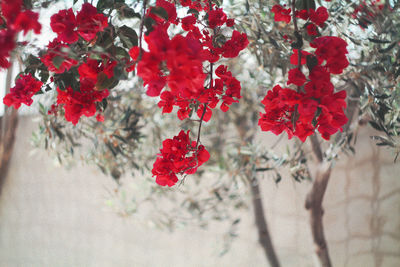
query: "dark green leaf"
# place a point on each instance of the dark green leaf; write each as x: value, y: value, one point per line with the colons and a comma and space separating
x: 57, y: 61
x: 160, y: 12
x: 379, y: 41
x: 375, y: 125
x: 149, y: 22
x: 104, y: 4
x: 127, y: 12
x: 193, y: 11
x: 128, y: 36
x: 311, y: 62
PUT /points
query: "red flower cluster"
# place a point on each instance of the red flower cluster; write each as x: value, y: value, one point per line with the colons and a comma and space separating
x: 86, y: 24
x: 281, y: 13
x: 56, y: 51
x: 314, y: 18
x: 178, y: 63
x: 318, y: 107
x: 25, y: 87
x: 82, y: 102
x: 178, y: 156
x: 17, y: 19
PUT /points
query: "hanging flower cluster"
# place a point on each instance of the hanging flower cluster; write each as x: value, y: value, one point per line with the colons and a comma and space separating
x: 69, y: 28
x: 173, y: 68
x: 15, y: 18
x: 314, y: 105
x: 25, y: 87
x: 179, y: 155
x: 181, y: 69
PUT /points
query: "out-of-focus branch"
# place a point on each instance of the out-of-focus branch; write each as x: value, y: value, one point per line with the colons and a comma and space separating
x: 264, y: 237
x: 9, y: 122
x: 314, y: 203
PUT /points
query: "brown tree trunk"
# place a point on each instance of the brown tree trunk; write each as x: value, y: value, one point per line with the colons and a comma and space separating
x: 314, y: 204
x: 264, y: 237
x: 8, y: 127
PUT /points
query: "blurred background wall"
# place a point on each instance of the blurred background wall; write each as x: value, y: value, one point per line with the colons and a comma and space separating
x: 50, y: 216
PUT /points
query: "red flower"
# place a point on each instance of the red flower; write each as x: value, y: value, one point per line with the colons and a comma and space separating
x: 90, y: 22
x: 296, y: 77
x: 230, y: 22
x: 319, y: 16
x: 188, y: 22
x: 93, y: 69
x: 7, y: 44
x: 64, y: 23
x: 10, y: 9
x: 26, y: 21
x: 169, y: 8
x: 178, y: 156
x: 25, y: 87
x: 82, y: 102
x: 312, y: 29
x: 237, y: 43
x: 294, y: 58
x: 332, y: 50
x: 281, y: 14
x: 99, y: 117
x: 56, y: 54
x: 216, y: 17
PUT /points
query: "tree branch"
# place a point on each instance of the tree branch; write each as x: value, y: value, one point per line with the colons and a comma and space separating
x: 8, y: 127
x: 264, y: 238
x: 314, y: 204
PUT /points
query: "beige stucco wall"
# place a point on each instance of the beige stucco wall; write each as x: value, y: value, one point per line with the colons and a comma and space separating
x: 53, y: 217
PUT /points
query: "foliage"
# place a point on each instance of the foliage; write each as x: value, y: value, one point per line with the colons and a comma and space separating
x: 191, y: 57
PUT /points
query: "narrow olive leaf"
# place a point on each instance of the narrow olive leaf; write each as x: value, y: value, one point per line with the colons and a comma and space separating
x: 278, y: 178
x: 128, y: 36
x: 377, y: 41
x: 387, y: 49
x: 160, y: 12
x: 375, y: 125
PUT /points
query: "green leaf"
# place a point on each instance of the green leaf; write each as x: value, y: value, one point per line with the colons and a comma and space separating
x: 311, y: 62
x: 193, y: 11
x: 149, y: 22
x: 57, y: 61
x: 103, y: 82
x: 121, y: 53
x: 126, y: 12
x: 120, y: 73
x: 104, y: 4
x: 160, y: 12
x: 128, y: 36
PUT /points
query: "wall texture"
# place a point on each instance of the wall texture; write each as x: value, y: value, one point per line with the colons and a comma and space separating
x: 53, y: 217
